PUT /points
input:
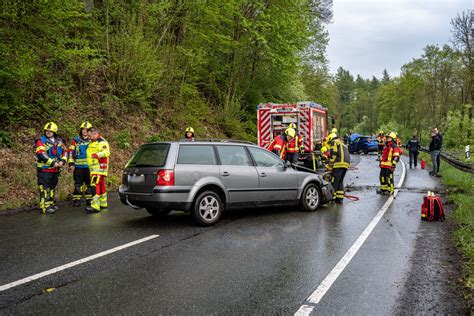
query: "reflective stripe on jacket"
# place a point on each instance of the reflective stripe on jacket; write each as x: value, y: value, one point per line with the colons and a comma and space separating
x: 48, y: 152
x: 78, y: 152
x: 100, y: 147
x: 339, y: 156
x: 390, y: 155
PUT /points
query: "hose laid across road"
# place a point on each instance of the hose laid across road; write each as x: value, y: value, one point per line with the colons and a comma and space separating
x: 462, y: 166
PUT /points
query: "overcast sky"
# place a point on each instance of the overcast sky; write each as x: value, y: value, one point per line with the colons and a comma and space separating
x: 367, y: 36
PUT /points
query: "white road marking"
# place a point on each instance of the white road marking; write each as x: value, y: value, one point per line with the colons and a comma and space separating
x: 74, y: 263
x: 329, y: 280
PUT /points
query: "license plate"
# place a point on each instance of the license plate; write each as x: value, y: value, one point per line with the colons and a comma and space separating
x: 140, y: 178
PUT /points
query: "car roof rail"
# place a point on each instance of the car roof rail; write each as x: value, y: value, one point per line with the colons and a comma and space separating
x: 219, y: 140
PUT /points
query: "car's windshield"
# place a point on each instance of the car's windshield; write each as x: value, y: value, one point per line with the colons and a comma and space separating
x: 153, y: 155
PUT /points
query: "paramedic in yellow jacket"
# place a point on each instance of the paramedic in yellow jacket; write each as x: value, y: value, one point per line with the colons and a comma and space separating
x: 98, y: 153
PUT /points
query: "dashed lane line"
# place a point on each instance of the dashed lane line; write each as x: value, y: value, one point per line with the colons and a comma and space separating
x: 329, y: 280
x: 74, y: 263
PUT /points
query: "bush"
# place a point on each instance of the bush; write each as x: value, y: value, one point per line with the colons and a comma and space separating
x: 6, y: 139
x: 123, y: 139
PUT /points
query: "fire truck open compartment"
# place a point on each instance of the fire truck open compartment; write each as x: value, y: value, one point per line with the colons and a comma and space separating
x: 309, y: 117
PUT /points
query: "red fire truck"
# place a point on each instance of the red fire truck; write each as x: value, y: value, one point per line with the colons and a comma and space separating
x: 310, y: 118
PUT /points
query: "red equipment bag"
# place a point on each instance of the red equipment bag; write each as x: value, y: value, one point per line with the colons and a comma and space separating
x: 432, y: 209
x: 423, y: 164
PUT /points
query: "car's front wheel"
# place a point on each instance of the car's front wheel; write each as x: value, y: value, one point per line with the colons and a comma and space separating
x: 157, y: 212
x: 207, y: 208
x: 311, y: 198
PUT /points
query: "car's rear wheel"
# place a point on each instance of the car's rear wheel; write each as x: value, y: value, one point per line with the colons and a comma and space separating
x: 207, y: 208
x: 311, y: 198
x: 157, y: 212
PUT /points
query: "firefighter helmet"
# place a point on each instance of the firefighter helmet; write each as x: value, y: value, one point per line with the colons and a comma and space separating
x: 51, y: 126
x: 290, y: 132
x: 292, y: 125
x: 331, y: 137
x: 190, y: 129
x: 393, y: 135
x: 86, y: 125
x: 334, y: 131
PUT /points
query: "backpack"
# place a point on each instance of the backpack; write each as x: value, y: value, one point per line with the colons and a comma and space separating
x: 432, y: 208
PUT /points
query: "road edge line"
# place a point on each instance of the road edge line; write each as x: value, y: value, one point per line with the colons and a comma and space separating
x: 315, y: 297
x: 74, y: 263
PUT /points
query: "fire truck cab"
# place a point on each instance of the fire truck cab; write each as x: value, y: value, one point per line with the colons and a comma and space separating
x: 310, y: 118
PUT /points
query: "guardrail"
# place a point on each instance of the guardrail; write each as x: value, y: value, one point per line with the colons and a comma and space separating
x: 453, y: 161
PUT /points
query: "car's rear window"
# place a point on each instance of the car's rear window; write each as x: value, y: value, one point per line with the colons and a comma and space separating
x: 153, y: 155
x: 196, y: 155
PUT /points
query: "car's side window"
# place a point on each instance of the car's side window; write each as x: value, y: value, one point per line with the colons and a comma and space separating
x: 196, y: 155
x: 233, y: 156
x: 264, y: 158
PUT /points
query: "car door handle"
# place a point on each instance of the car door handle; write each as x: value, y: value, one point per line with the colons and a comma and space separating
x: 225, y: 174
x: 263, y: 174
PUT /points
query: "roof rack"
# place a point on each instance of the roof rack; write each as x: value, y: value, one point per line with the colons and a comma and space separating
x: 218, y: 140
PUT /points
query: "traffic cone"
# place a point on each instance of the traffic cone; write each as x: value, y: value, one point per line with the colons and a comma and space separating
x: 423, y: 164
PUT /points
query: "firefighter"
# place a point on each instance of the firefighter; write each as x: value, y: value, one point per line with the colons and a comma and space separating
x: 388, y: 162
x: 98, y: 154
x: 381, y: 144
x: 298, y: 137
x: 278, y: 145
x: 78, y: 165
x: 292, y: 146
x: 189, y: 134
x: 51, y: 155
x: 339, y: 162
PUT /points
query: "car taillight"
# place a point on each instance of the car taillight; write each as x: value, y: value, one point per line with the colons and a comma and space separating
x: 165, y: 178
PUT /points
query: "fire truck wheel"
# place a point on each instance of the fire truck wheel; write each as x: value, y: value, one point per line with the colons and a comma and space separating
x: 311, y: 198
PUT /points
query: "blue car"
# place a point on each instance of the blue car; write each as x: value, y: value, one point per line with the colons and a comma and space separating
x: 363, y: 144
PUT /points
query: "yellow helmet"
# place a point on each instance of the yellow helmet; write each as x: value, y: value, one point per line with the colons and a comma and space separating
x: 331, y: 137
x: 292, y: 125
x: 334, y: 131
x: 290, y: 132
x: 324, y: 149
x: 86, y: 125
x: 51, y: 126
x: 393, y: 135
x: 381, y: 132
x: 190, y: 129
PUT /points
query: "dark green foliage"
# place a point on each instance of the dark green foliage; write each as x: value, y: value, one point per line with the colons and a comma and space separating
x: 210, y: 61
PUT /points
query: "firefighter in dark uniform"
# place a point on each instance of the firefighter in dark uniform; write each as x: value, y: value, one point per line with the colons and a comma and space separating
x: 78, y: 164
x: 339, y: 161
x: 381, y: 144
x: 51, y: 155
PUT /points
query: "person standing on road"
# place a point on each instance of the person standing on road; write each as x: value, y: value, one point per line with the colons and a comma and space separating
x: 413, y: 147
x: 339, y: 162
x: 435, y: 149
x: 381, y: 144
x: 388, y: 162
x: 51, y: 155
x: 292, y: 146
x: 78, y: 165
x: 189, y: 134
x: 440, y: 136
x: 98, y: 153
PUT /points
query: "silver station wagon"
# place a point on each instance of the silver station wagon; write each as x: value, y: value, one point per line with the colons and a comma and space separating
x: 207, y: 177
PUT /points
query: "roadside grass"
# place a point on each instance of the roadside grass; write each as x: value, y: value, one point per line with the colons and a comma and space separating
x: 461, y: 192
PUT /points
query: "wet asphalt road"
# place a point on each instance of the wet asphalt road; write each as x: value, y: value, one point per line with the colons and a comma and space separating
x: 262, y: 261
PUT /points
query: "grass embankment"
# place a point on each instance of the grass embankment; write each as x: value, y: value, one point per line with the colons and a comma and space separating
x: 460, y: 187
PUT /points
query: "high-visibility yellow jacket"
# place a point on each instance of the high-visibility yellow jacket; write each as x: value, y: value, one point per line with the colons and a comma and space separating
x: 98, y: 165
x: 339, y: 156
